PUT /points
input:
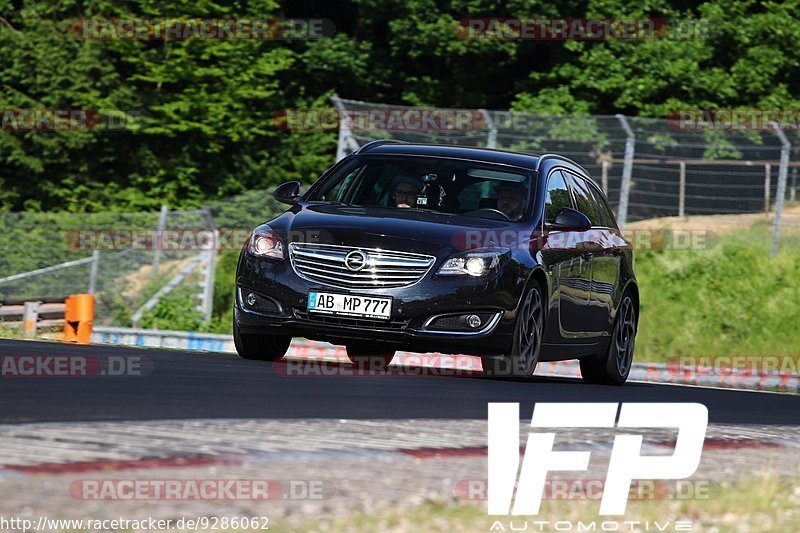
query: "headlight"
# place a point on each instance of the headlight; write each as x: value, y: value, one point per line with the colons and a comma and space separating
x: 472, y: 264
x: 265, y: 243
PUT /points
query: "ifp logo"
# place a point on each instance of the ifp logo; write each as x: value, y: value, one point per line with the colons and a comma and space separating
x: 626, y: 465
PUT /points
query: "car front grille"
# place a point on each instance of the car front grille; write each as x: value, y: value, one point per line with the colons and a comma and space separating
x: 328, y: 264
x: 350, y: 322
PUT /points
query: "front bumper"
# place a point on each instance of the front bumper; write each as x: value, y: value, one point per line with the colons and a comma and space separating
x: 286, y: 294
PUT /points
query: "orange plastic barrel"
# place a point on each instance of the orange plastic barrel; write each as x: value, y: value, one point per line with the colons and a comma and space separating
x: 78, y: 317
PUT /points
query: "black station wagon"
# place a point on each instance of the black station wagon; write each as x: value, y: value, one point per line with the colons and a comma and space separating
x: 511, y: 257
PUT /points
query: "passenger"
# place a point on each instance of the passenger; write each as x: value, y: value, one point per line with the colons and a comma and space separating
x: 511, y: 200
x: 406, y: 191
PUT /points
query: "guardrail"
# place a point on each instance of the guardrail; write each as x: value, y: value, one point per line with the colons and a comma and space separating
x: 33, y: 315
x: 207, y: 342
x: 74, y: 316
x: 186, y: 340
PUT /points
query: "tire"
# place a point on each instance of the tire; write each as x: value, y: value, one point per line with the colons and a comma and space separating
x: 261, y: 347
x: 615, y: 366
x: 366, y: 357
x: 526, y: 346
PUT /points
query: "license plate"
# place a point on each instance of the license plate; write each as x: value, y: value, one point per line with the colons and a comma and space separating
x: 349, y: 305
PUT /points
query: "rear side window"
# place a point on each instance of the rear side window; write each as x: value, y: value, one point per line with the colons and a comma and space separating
x: 585, y: 201
x: 556, y: 196
x: 603, y: 209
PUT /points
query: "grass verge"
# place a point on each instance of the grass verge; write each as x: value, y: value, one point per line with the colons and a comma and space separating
x: 731, y: 298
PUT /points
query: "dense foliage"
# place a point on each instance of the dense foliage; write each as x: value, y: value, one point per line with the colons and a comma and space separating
x: 199, y: 113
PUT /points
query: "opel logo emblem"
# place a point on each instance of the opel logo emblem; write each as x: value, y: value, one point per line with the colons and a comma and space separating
x: 355, y: 260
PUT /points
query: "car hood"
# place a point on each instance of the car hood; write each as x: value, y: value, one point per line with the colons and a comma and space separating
x: 408, y: 230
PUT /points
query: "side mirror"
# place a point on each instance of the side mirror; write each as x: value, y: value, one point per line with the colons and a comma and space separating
x: 570, y: 220
x: 288, y: 193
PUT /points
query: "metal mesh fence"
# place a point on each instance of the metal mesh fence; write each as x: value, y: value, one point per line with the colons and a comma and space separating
x: 676, y: 170
x: 123, y: 248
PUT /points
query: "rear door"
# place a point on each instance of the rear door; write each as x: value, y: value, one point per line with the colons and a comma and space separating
x: 562, y: 257
x: 578, y: 289
x: 606, y: 266
x: 604, y: 252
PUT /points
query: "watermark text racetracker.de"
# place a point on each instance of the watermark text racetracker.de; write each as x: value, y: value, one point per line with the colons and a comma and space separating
x: 62, y: 120
x: 201, y: 489
x: 381, y: 119
x: 73, y: 366
x: 583, y: 29
x: 747, y: 365
x: 591, y: 489
x: 175, y: 29
x: 412, y: 364
x: 585, y: 240
x: 122, y: 239
x: 396, y: 118
x: 733, y: 119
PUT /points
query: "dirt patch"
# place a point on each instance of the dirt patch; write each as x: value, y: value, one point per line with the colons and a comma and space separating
x: 720, y: 224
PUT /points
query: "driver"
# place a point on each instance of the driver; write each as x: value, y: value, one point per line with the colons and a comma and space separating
x: 406, y: 191
x: 510, y: 200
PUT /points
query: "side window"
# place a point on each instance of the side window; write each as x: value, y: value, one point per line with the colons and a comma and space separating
x: 338, y: 192
x: 556, y: 196
x: 584, y: 200
x: 383, y: 188
x: 605, y: 209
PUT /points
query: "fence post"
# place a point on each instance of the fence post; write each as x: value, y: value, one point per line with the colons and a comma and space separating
x: 30, y: 316
x: 491, y: 138
x: 682, y: 190
x: 210, y: 270
x: 604, y: 176
x: 767, y: 175
x: 162, y: 225
x: 347, y: 143
x: 93, y: 272
x: 627, y: 170
x: 779, y: 197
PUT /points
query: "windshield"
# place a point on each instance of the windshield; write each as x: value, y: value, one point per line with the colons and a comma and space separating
x: 432, y: 184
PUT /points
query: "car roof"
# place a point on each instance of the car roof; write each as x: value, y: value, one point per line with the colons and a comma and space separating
x: 486, y: 155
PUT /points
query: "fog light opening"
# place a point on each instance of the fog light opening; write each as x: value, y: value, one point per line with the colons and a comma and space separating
x: 473, y: 321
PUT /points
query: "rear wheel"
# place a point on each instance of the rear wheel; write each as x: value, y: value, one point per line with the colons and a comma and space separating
x: 370, y: 357
x: 261, y: 347
x: 527, y: 343
x: 614, y: 368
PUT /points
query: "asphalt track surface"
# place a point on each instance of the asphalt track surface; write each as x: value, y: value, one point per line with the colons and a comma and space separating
x: 192, y: 385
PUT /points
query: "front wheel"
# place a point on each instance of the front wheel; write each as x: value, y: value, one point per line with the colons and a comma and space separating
x: 370, y: 357
x: 527, y: 343
x: 261, y: 347
x: 614, y: 368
